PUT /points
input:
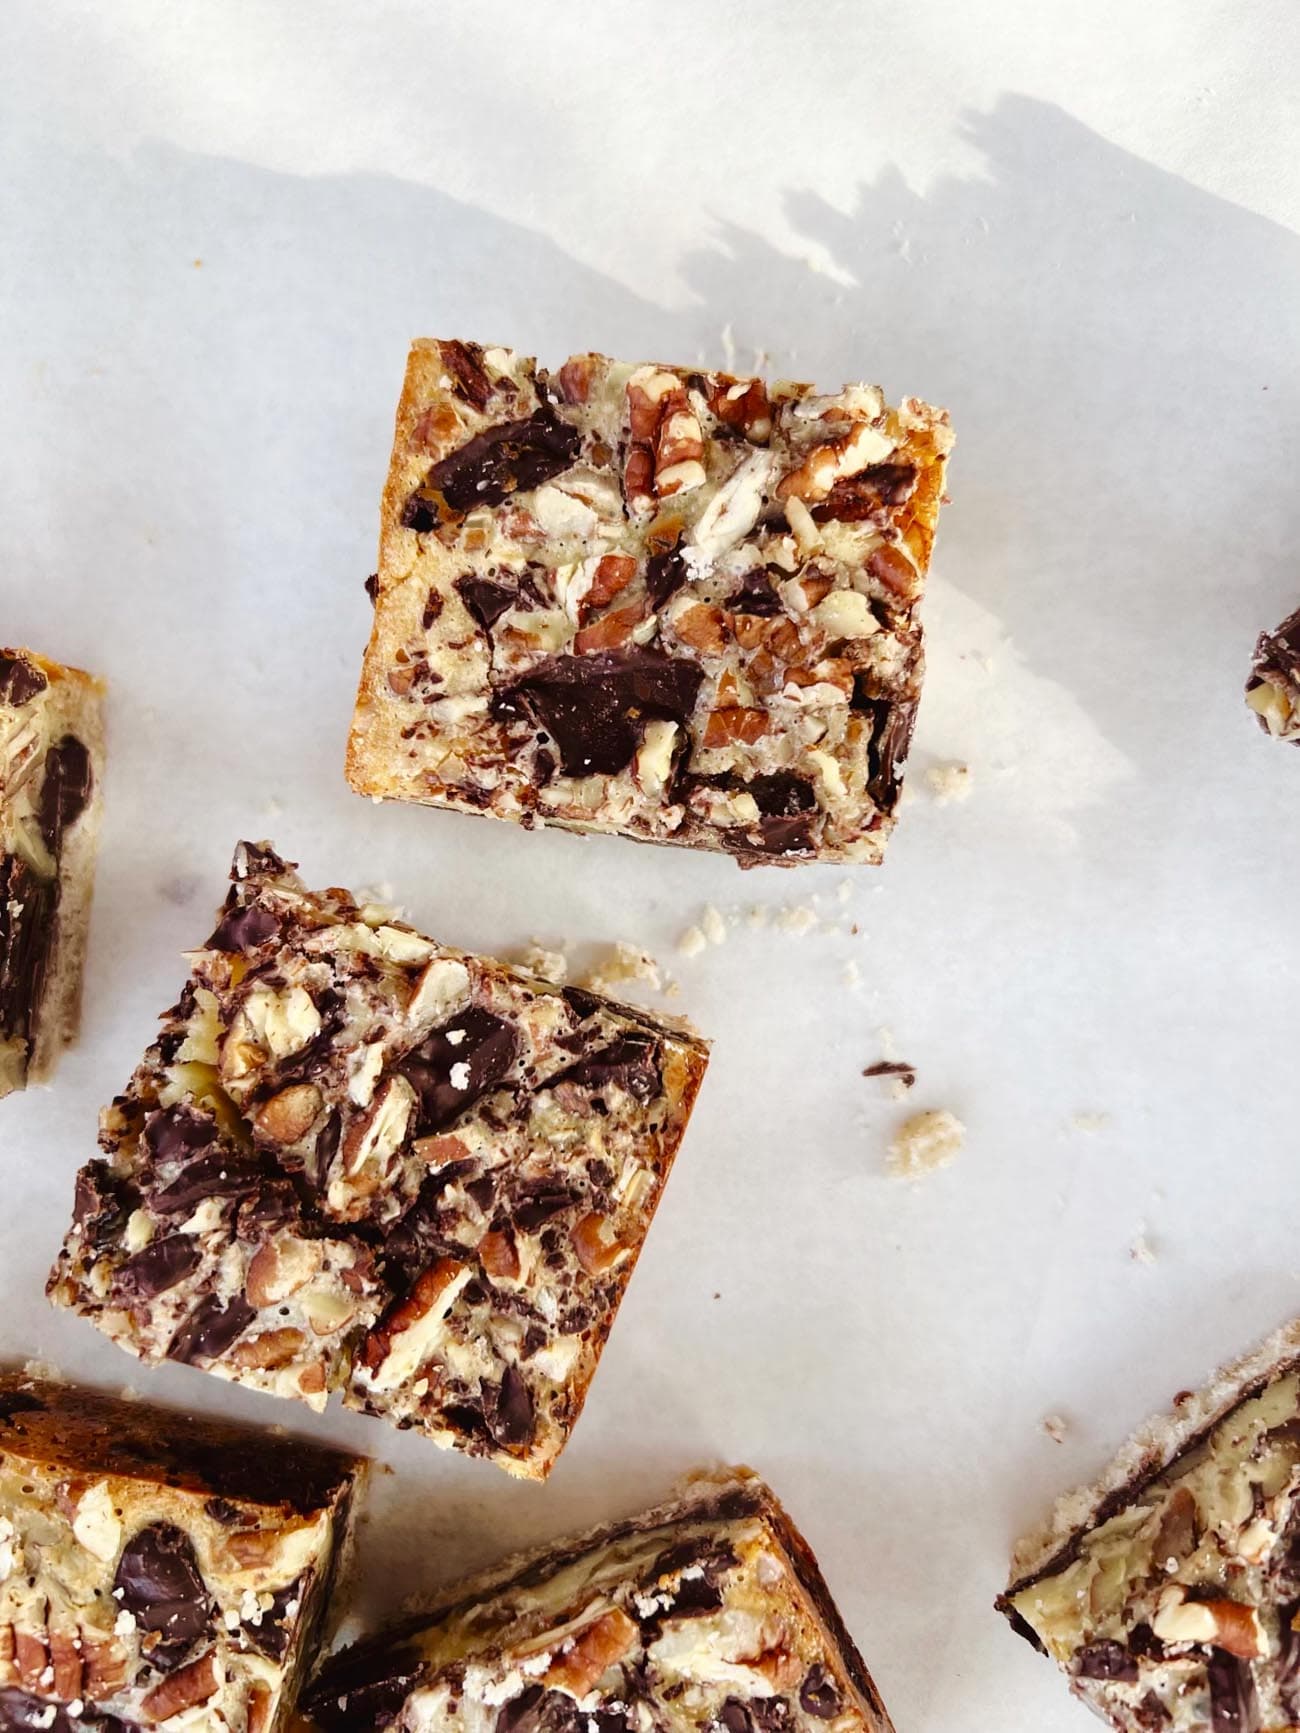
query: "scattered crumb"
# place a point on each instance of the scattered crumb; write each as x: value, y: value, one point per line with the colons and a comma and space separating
x: 844, y: 890
x: 382, y: 893
x: 888, y: 1046
x: 198, y: 264
x: 1055, y: 1426
x: 1142, y: 1251
x: 692, y: 942
x: 798, y: 920
x: 1089, y: 1121
x: 900, y: 1074
x: 547, y: 965
x: 620, y: 965
x: 713, y: 926
x: 925, y: 1142
x: 758, y: 915
x: 851, y: 975
x: 45, y: 1369
x: 948, y: 782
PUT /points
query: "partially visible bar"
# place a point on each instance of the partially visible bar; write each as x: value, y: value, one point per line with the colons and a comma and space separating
x: 51, y: 768
x: 707, y: 1615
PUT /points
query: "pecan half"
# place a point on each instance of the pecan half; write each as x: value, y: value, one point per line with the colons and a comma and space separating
x: 184, y: 1689
x: 595, y: 1649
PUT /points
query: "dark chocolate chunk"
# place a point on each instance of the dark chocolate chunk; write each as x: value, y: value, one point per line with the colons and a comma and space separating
x: 362, y: 1691
x: 20, y: 1712
x: 664, y: 576
x: 210, y: 1329
x: 536, y: 1710
x: 861, y: 496
x: 905, y: 1073
x: 1021, y: 1626
x: 464, y: 361
x: 18, y: 1402
x: 175, y: 1133
x: 891, y: 737
x: 244, y: 930
x: 221, y: 1510
x: 27, y: 912
x: 787, y: 804
x: 1234, y: 1708
x: 1287, y: 1666
x: 159, y: 1583
x: 220, y: 1174
x: 372, y: 586
x: 482, y: 1055
x: 819, y: 1695
x: 536, y: 1201
x: 20, y: 680
x: 512, y: 1420
x: 271, y: 1632
x: 510, y: 458
x: 486, y: 599
x: 757, y: 594
x: 593, y: 706
x: 771, y: 1714
x: 65, y: 792
x: 158, y: 1267
x: 584, y: 1003
x: 1106, y: 1661
x: 630, y: 1063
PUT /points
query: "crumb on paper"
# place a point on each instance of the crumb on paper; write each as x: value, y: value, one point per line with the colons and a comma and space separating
x: 622, y: 964
x: 692, y: 942
x: 926, y: 1141
x: 948, y: 783
x: 536, y: 959
x: 898, y: 1073
x: 851, y: 975
x: 797, y: 920
x: 758, y: 916
x: 712, y: 925
x: 1141, y: 1250
x: 844, y: 890
x: 43, y: 1369
x: 1055, y: 1426
x: 1089, y: 1122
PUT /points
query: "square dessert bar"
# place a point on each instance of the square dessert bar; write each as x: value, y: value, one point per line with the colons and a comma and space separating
x: 358, y: 1159
x: 1169, y: 1593
x: 1273, y: 689
x: 155, y: 1569
x: 653, y: 601
x: 51, y: 766
x: 708, y: 1615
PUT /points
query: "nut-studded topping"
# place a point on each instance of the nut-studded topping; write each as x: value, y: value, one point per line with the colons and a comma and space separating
x: 1224, y: 1624
x: 279, y: 1268
x: 184, y: 1689
x: 666, y: 442
x: 596, y: 1648
x: 408, y: 1335
x: 843, y: 455
x: 379, y: 1132
x: 289, y: 1115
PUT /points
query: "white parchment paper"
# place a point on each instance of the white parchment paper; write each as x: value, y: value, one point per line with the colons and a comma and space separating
x: 1076, y: 226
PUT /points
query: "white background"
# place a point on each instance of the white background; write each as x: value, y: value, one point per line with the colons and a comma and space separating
x: 1073, y: 224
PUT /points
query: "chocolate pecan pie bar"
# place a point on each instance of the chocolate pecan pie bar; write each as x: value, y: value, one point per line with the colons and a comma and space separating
x: 358, y: 1159
x: 1273, y: 689
x: 708, y: 1615
x: 1170, y: 1592
x: 51, y: 763
x: 157, y: 1570
x: 648, y: 600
